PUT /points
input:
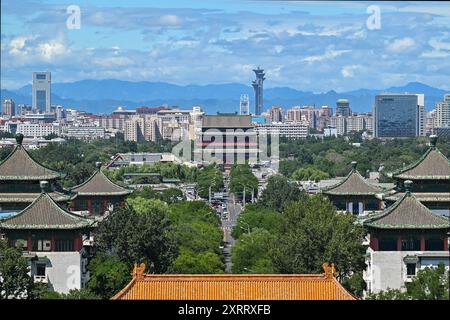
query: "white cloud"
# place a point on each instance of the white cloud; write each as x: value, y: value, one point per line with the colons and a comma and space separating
x: 349, y: 71
x: 52, y: 49
x: 401, y: 45
x: 330, y: 54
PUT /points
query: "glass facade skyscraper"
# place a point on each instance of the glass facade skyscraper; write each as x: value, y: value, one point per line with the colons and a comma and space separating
x: 396, y: 115
x: 41, y: 99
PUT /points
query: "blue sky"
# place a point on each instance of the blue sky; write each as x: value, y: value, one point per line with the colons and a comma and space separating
x: 314, y: 46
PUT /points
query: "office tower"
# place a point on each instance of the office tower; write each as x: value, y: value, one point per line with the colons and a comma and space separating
x: 244, y: 105
x: 41, y: 99
x: 398, y: 115
x: 442, y: 117
x: 8, y: 108
x: 258, y: 87
x: 343, y: 108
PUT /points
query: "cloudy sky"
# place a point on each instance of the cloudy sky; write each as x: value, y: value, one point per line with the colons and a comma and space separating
x: 315, y: 46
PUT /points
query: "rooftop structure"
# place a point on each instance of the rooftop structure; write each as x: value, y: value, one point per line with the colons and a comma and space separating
x: 354, y: 193
x: 431, y: 177
x: 404, y: 238
x: 234, y: 287
x: 20, y: 175
x: 98, y: 194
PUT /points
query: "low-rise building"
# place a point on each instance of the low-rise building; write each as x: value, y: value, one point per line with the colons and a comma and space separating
x: 284, y: 130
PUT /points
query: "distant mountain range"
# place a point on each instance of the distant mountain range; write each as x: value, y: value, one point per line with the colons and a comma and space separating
x: 103, y: 96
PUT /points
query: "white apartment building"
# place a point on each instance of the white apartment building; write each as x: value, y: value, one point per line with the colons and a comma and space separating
x: 285, y: 130
x: 85, y: 132
x: 442, y: 116
x: 33, y: 130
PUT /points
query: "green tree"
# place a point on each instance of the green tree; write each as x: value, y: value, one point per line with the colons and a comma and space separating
x: 139, y: 232
x: 210, y: 176
x: 313, y: 233
x: 256, y: 217
x: 309, y: 173
x: 241, y: 177
x: 15, y: 283
x: 279, y: 193
x: 250, y: 254
x: 189, y: 262
x: 108, y: 275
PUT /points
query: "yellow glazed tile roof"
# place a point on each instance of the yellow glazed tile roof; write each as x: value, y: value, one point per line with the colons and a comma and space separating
x: 234, y: 287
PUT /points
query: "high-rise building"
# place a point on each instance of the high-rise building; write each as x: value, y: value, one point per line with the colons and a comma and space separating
x: 276, y: 114
x: 343, y: 108
x: 398, y: 115
x: 244, y: 105
x: 258, y: 87
x: 442, y: 118
x: 41, y: 99
x: 8, y: 108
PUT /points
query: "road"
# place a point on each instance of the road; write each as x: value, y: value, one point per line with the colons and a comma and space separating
x: 228, y: 223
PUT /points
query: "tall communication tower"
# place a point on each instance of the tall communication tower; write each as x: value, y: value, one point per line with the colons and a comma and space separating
x: 258, y: 87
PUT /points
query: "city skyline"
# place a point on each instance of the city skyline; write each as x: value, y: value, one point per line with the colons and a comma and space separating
x: 315, y: 46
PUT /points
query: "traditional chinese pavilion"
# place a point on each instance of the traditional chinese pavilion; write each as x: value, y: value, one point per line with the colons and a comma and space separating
x: 405, y: 237
x: 431, y: 177
x: 19, y: 180
x: 234, y: 286
x: 52, y: 238
x: 98, y: 194
x: 354, y: 194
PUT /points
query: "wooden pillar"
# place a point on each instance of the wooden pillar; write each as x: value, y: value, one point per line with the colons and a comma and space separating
x: 105, y: 206
x: 374, y: 242
x: 445, y: 243
x: 29, y: 243
x: 422, y: 243
x: 53, y: 242
x: 89, y: 206
x: 399, y: 243
x: 78, y: 242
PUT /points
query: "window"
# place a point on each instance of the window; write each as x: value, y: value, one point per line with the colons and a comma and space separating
x: 64, y: 245
x: 434, y: 244
x: 41, y: 245
x: 387, y: 244
x: 40, y: 76
x: 40, y: 269
x: 410, y: 269
x: 411, y: 244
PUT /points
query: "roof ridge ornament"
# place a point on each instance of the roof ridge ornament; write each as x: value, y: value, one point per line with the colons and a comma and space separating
x: 98, y: 165
x: 354, y: 165
x: 433, y: 140
x: 44, y: 186
x: 138, y: 271
x: 330, y: 271
x: 19, y: 139
x: 408, y: 187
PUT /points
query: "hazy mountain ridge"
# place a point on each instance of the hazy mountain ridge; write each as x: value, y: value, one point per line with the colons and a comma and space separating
x: 103, y: 96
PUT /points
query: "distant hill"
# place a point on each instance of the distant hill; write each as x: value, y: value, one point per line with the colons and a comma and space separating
x: 103, y: 96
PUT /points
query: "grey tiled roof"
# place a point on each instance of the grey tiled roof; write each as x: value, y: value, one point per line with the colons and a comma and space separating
x: 44, y: 213
x: 408, y: 213
x: 353, y: 184
x: 8, y: 197
x: 100, y: 185
x: 432, y: 165
x: 19, y: 165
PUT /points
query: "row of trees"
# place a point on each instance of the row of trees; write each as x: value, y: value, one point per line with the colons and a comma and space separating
x: 332, y: 156
x: 209, y: 178
x: 241, y: 177
x: 288, y: 231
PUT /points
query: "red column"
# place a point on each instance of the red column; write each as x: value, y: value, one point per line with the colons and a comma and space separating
x: 374, y: 243
x: 29, y: 243
x: 90, y: 206
x: 105, y: 206
x: 422, y: 243
x: 445, y: 243
x: 53, y: 243
x: 399, y: 243
x: 78, y: 242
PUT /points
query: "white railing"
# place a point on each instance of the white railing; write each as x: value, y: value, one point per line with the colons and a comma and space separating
x: 42, y: 279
